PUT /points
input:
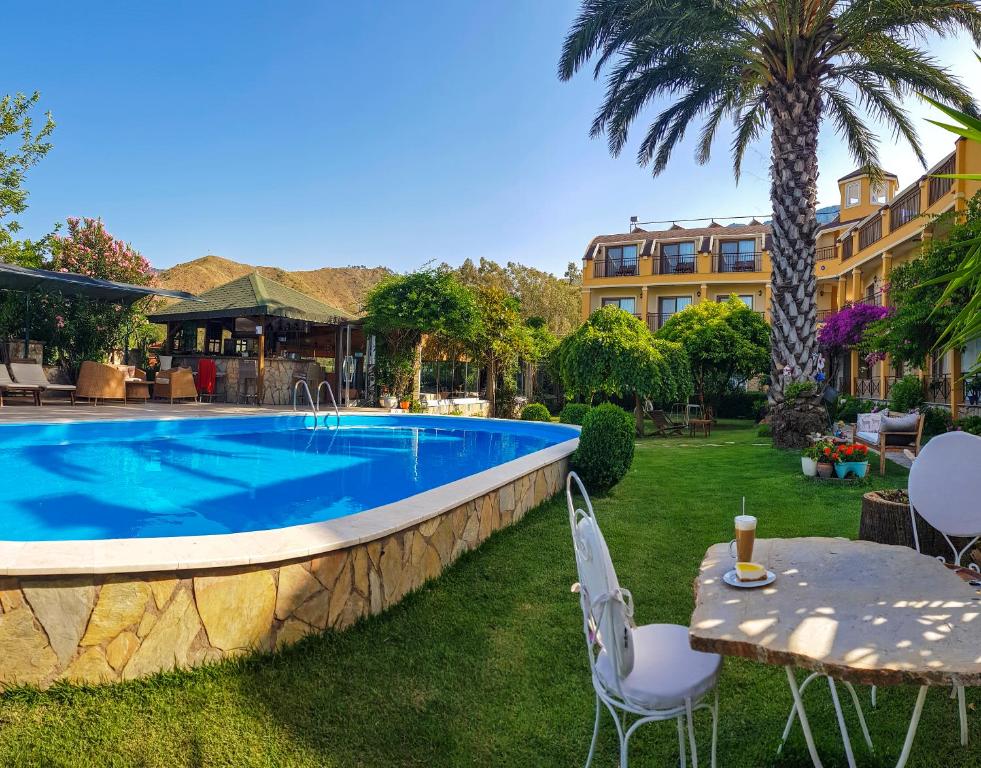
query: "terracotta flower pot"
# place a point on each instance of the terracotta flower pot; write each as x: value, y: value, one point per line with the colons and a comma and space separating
x: 404, y: 405
x: 825, y: 470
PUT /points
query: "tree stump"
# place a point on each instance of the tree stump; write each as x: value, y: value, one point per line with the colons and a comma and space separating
x: 792, y: 422
x: 889, y: 522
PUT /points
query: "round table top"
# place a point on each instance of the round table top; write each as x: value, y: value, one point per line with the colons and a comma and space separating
x: 856, y: 610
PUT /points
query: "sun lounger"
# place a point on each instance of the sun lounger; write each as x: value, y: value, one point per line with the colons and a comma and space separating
x: 9, y: 386
x: 662, y: 424
x: 33, y: 374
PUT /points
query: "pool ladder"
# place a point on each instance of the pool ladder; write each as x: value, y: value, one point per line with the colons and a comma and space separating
x: 315, y: 405
x: 333, y: 400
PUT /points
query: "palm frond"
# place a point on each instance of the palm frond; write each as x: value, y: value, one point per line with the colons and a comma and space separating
x: 860, y: 139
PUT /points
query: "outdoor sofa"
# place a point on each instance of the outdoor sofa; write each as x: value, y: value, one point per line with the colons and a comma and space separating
x: 888, y: 431
x: 100, y: 381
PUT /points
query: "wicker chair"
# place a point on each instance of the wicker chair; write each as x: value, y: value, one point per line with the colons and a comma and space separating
x: 98, y: 381
x: 175, y: 384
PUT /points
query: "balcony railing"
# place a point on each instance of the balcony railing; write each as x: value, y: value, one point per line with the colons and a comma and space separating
x: 847, y: 245
x: 737, y: 262
x: 940, y: 187
x: 676, y: 265
x: 824, y: 314
x: 615, y: 267
x: 904, y: 209
x: 869, y: 387
x: 870, y: 300
x: 657, y: 319
x: 870, y: 232
x: 825, y: 253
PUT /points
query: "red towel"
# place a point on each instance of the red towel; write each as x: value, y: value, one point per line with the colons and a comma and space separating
x: 206, y: 376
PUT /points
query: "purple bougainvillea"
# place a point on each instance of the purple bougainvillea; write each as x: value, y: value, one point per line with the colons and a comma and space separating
x: 845, y: 328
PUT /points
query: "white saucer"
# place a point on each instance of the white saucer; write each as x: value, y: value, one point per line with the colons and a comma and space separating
x: 732, y: 580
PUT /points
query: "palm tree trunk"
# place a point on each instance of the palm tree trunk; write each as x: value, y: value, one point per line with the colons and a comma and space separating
x: 795, y: 111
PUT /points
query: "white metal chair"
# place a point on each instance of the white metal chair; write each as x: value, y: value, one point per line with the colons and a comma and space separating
x: 649, y: 671
x: 944, y: 488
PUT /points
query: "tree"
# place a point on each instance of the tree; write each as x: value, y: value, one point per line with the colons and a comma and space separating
x: 401, y: 309
x: 846, y: 329
x: 541, y: 344
x: 965, y: 326
x: 923, y: 307
x: 787, y: 64
x: 539, y: 294
x: 499, y: 338
x: 614, y: 354
x: 16, y: 122
x: 83, y: 328
x: 726, y: 343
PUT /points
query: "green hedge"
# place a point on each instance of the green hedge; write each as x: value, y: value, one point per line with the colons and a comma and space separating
x: 535, y: 412
x: 741, y: 404
x: 574, y: 413
x: 606, y: 447
x: 906, y: 394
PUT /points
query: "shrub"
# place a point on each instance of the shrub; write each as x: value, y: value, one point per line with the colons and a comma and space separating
x: 849, y: 407
x: 740, y: 404
x: 906, y: 394
x: 535, y: 412
x: 764, y: 431
x: 606, y: 447
x: 797, y: 389
x: 970, y: 424
x: 936, y: 421
x: 574, y: 413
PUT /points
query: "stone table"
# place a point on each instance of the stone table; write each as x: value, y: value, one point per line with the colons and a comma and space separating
x: 854, y: 611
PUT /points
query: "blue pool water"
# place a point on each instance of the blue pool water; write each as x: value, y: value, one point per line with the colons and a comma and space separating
x: 124, y: 479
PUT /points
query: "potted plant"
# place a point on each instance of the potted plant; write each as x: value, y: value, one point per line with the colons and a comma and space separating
x: 887, y: 519
x: 404, y: 403
x: 852, y: 458
x: 825, y: 461
x: 387, y: 399
x: 808, y: 459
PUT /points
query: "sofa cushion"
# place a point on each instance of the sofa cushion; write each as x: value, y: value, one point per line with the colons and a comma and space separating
x: 907, y: 422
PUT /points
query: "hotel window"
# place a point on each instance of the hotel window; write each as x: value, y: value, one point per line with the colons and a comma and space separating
x: 677, y: 257
x: 746, y: 299
x: 668, y: 305
x: 878, y: 194
x: 737, y: 256
x: 853, y: 190
x: 621, y: 260
x: 626, y: 304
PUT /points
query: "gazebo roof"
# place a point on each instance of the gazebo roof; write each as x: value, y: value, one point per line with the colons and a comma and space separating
x: 17, y: 278
x: 252, y: 294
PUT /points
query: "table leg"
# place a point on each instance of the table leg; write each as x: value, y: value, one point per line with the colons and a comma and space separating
x: 842, y: 727
x: 913, y: 723
x: 804, y: 724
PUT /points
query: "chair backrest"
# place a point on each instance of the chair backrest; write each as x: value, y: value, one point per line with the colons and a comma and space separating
x: 945, y: 486
x: 248, y: 369
x: 28, y: 373
x: 607, y: 610
x: 5, y: 380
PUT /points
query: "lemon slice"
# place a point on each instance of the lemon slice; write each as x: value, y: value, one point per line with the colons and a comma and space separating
x: 750, y: 572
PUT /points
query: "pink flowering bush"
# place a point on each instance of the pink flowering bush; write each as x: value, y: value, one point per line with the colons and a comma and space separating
x: 88, y: 329
x: 844, y: 328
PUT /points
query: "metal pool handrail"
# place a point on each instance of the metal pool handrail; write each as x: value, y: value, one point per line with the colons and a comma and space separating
x: 306, y: 387
x: 330, y: 391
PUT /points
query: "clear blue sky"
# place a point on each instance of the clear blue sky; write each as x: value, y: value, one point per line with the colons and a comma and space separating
x: 309, y: 134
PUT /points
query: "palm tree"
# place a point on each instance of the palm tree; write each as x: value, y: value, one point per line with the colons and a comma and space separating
x: 783, y: 63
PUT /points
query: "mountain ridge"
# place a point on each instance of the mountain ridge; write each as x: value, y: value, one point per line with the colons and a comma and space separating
x: 340, y: 287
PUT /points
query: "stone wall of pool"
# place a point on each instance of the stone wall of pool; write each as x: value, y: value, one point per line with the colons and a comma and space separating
x: 118, y: 626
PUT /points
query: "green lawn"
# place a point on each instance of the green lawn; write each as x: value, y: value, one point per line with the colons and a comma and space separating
x: 487, y: 665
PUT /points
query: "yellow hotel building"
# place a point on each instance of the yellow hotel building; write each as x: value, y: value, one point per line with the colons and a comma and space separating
x: 654, y: 274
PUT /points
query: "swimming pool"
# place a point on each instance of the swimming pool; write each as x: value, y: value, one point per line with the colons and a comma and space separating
x: 194, y: 477
x: 131, y: 547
